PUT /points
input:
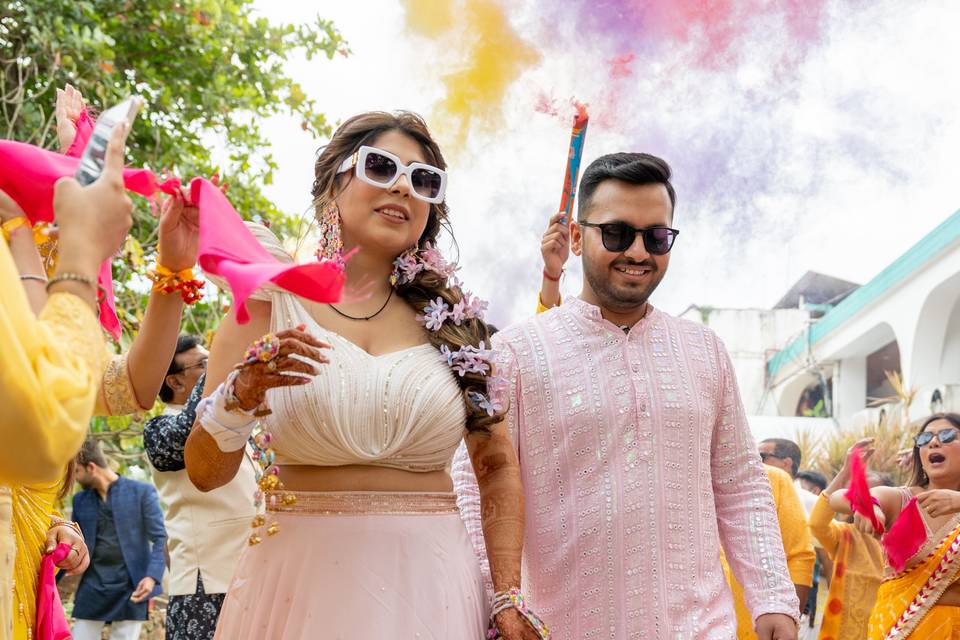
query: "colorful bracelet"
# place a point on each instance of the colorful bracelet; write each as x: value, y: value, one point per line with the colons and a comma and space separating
x: 12, y: 225
x: 167, y: 281
x: 513, y: 599
x: 551, y: 278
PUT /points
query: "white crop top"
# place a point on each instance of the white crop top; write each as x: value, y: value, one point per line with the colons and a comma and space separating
x: 402, y: 409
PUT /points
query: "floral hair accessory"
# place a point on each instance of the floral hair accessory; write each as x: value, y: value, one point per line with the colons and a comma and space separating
x: 488, y: 403
x: 434, y: 314
x: 468, y: 359
x: 410, y: 263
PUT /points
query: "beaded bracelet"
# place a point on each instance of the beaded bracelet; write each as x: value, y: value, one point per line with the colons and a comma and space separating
x: 514, y: 599
x: 76, y: 277
x: 167, y: 281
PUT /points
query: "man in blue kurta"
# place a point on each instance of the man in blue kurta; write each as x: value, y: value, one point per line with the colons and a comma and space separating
x: 123, y: 526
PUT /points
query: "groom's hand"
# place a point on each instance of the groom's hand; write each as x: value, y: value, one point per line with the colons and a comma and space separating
x: 776, y: 626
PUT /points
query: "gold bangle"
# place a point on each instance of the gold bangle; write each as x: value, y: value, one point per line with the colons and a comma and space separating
x: 76, y: 277
x: 12, y: 225
x: 31, y: 276
x: 58, y: 522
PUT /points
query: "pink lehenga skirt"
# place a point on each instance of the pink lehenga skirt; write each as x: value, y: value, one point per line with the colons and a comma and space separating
x: 359, y: 566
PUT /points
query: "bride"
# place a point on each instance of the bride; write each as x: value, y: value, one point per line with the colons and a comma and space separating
x: 363, y: 404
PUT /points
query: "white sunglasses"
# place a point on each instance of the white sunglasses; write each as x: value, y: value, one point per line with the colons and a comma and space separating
x: 382, y: 169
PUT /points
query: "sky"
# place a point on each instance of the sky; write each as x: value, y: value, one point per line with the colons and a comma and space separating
x: 803, y: 134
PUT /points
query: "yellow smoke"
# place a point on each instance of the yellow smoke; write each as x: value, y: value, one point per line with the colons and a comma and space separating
x: 491, y: 56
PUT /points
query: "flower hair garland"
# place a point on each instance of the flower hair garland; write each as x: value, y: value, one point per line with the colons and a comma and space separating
x: 468, y: 359
x: 411, y: 263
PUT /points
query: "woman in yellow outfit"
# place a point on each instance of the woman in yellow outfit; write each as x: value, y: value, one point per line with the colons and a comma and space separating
x: 857, y: 562
x: 922, y: 601
x: 797, y: 546
x: 129, y: 383
x: 50, y: 364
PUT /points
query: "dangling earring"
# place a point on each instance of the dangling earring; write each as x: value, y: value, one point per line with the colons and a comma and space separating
x: 331, y: 244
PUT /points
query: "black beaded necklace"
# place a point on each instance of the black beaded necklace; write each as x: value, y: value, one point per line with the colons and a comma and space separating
x: 373, y: 315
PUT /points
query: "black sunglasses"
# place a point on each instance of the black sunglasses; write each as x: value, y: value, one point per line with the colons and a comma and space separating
x: 945, y: 436
x: 764, y: 456
x: 619, y: 236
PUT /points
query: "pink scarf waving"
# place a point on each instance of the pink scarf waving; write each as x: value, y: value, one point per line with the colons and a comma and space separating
x: 905, y: 536
x: 858, y: 493
x: 227, y: 248
x: 51, y: 621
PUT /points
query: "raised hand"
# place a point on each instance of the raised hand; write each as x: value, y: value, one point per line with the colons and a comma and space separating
x: 68, y: 109
x: 555, y: 246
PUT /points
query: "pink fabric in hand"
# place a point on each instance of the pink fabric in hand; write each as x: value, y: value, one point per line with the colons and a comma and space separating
x: 84, y: 131
x: 858, y: 493
x: 28, y: 173
x: 227, y: 248
x: 905, y: 536
x: 51, y: 621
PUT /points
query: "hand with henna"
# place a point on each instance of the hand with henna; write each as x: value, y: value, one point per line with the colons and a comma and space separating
x: 285, y: 370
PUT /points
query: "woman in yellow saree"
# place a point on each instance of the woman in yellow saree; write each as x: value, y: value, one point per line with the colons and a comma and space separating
x: 922, y: 600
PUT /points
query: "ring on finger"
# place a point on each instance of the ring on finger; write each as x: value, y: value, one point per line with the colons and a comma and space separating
x: 265, y: 349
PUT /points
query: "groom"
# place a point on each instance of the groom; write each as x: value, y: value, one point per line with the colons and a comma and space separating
x: 636, y: 456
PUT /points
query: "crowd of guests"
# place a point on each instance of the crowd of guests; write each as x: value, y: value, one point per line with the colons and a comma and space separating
x: 397, y: 470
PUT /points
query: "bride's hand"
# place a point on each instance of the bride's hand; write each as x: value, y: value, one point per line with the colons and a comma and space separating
x: 512, y: 626
x: 253, y: 380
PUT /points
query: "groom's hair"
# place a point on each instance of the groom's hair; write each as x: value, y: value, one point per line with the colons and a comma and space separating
x: 635, y: 168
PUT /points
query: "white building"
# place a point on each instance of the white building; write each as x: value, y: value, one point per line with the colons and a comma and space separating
x: 825, y: 347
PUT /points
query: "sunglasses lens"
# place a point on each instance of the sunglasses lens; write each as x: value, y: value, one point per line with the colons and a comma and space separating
x: 947, y: 436
x: 427, y: 183
x: 658, y: 241
x: 617, y: 237
x: 924, y: 438
x: 380, y: 168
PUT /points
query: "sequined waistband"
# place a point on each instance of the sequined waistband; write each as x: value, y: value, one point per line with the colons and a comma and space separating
x: 364, y: 503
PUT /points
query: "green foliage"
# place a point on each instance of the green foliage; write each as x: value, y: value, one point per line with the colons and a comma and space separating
x: 209, y: 70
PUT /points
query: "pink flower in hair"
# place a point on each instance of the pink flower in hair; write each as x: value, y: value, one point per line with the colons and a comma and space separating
x: 459, y: 313
x: 433, y: 260
x: 434, y: 314
x: 469, y: 359
x: 405, y: 269
x: 474, y: 307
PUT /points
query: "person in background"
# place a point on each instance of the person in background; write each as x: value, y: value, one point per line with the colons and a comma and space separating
x: 128, y: 383
x: 922, y: 600
x: 812, y: 481
x: 122, y: 520
x: 856, y: 556
x: 785, y: 454
x: 797, y: 546
x: 207, y: 531
x: 51, y: 363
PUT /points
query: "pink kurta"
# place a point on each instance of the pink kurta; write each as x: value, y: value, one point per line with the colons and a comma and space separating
x: 637, y: 464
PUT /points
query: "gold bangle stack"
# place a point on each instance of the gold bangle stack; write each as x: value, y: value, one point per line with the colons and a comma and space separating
x: 60, y: 522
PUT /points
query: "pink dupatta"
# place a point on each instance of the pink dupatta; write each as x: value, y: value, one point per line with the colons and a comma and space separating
x: 227, y: 248
x: 51, y: 620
